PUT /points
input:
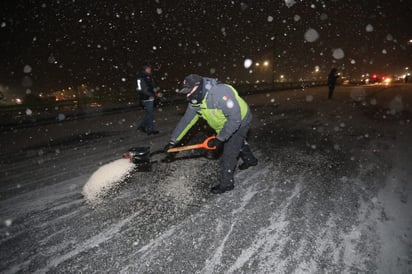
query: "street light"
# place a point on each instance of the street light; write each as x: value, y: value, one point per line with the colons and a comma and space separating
x: 266, y: 63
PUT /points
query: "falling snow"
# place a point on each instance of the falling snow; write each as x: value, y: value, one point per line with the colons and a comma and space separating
x: 27, y: 69
x: 311, y: 35
x: 290, y: 3
x: 338, y: 53
x: 309, y: 98
x: 61, y: 117
x: 369, y: 28
x: 247, y: 63
x: 70, y: 108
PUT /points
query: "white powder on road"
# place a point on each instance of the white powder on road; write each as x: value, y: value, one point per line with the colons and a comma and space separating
x: 105, y: 178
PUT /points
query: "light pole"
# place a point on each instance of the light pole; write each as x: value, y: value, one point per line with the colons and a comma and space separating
x: 262, y: 68
x: 273, y: 63
x: 266, y: 66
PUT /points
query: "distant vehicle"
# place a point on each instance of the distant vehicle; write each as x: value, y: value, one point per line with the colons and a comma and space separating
x: 378, y: 79
x: 95, y: 105
x: 387, y: 80
x: 375, y: 78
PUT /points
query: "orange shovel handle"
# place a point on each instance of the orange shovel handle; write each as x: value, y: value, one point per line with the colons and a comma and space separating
x: 202, y: 145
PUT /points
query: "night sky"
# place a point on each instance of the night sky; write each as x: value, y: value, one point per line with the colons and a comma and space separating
x: 48, y: 45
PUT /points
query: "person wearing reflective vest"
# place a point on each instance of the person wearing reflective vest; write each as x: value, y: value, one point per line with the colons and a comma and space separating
x: 147, y: 93
x: 225, y: 112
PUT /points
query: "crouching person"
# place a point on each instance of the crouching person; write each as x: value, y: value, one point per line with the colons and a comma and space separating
x: 225, y: 112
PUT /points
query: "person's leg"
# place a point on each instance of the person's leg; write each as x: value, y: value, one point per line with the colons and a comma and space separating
x: 330, y: 92
x: 149, y: 115
x: 150, y: 119
x: 228, y: 162
x: 147, y: 120
x: 144, y: 124
x: 247, y: 156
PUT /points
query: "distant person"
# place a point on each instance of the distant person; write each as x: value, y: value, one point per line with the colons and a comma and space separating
x: 406, y: 79
x: 225, y: 112
x: 147, y: 94
x: 332, y: 77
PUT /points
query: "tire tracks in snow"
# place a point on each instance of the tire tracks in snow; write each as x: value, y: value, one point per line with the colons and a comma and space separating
x: 265, y: 240
x: 90, y: 243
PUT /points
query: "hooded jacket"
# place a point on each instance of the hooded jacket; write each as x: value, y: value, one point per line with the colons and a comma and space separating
x: 222, y: 108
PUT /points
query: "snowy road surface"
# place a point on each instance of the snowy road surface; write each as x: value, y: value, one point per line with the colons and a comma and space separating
x: 331, y: 193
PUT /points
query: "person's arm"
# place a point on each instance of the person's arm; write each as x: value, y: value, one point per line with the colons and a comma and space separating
x: 156, y: 87
x: 185, y: 124
x: 231, y: 109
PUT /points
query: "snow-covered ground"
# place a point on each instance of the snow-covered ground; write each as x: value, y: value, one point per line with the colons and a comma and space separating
x: 332, y: 193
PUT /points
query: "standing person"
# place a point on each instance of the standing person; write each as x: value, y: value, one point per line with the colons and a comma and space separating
x: 332, y: 77
x: 225, y: 112
x: 147, y: 94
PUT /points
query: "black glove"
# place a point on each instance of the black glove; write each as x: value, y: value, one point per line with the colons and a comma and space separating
x: 171, y: 144
x: 215, y: 143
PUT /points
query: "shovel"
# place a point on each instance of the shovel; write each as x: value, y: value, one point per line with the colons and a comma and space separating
x: 141, y: 155
x: 189, y: 147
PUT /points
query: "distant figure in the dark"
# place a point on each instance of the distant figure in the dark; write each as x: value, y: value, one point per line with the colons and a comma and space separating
x: 332, y: 77
x: 406, y: 79
x: 147, y: 93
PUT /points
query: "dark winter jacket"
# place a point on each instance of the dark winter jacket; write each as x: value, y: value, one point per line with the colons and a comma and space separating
x: 145, y: 86
x: 332, y: 77
x: 222, y: 108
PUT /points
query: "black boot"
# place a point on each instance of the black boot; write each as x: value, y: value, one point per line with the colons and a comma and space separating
x: 152, y: 132
x: 219, y: 189
x: 246, y: 165
x: 142, y: 128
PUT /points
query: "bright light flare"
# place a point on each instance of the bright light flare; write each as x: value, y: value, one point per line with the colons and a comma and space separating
x: 387, y: 80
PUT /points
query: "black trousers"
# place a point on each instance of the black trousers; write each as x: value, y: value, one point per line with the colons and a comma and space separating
x: 331, y: 89
x: 148, y: 119
x: 234, y: 148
